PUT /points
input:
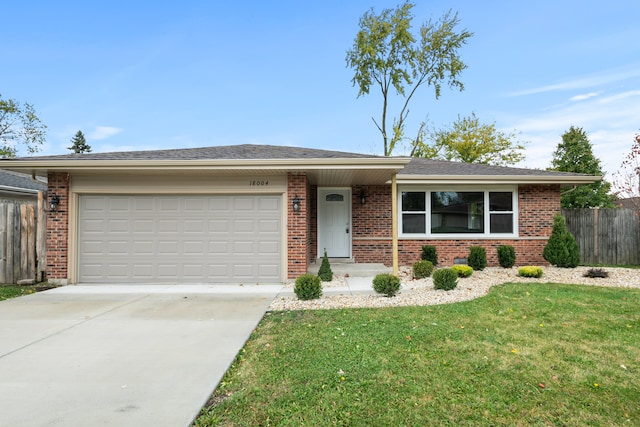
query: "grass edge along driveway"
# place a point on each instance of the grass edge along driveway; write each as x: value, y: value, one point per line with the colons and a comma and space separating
x: 525, y: 354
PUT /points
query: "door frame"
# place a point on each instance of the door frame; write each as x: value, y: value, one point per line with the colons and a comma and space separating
x: 321, y: 193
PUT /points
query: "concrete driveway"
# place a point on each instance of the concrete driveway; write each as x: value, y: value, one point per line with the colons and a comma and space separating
x: 121, y: 355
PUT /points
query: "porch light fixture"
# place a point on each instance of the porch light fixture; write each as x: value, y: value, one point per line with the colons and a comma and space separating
x: 296, y: 203
x: 363, y: 198
x: 54, y: 202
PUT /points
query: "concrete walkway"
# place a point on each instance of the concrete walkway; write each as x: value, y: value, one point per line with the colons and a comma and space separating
x: 121, y: 355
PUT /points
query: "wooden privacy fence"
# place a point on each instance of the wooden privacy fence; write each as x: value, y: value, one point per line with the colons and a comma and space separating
x: 605, y: 236
x: 22, y: 240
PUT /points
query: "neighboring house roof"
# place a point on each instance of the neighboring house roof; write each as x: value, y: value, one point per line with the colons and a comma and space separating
x: 323, y: 167
x: 14, y: 183
x: 628, y: 203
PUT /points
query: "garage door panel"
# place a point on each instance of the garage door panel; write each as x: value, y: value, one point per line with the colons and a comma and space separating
x: 190, y: 239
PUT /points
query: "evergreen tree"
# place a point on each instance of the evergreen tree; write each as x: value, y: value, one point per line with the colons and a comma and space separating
x: 561, y: 250
x: 575, y: 154
x: 325, y: 273
x: 79, y: 144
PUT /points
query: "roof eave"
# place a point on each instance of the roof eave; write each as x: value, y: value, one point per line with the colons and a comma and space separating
x: 497, y: 179
x: 393, y: 163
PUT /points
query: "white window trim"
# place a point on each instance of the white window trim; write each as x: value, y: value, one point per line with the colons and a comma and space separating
x: 460, y: 236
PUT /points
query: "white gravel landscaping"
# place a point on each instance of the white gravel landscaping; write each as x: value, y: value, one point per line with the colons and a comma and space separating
x: 421, y: 292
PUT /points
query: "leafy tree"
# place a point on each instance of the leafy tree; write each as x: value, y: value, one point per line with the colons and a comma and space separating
x: 575, y: 154
x: 19, y: 124
x: 467, y: 140
x: 386, y: 54
x: 79, y: 144
x: 627, y: 178
x: 561, y: 250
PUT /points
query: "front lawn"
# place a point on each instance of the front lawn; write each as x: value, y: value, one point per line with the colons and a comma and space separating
x: 13, y: 291
x: 526, y: 354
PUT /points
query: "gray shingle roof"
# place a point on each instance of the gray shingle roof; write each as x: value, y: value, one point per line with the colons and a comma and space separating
x: 231, y: 152
x: 419, y: 166
x: 16, y: 180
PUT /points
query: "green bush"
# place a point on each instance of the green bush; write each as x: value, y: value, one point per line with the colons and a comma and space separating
x: 422, y: 269
x: 530, y: 271
x: 463, y: 270
x: 561, y: 249
x: 477, y: 258
x: 430, y: 253
x: 324, y: 273
x: 386, y: 284
x: 308, y: 287
x: 506, y: 256
x: 445, y: 279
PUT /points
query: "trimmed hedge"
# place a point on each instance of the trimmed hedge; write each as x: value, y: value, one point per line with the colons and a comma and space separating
x: 477, y: 258
x: 422, y: 269
x: 445, y: 279
x: 308, y: 287
x: 506, y: 256
x: 530, y: 271
x: 386, y: 284
x: 463, y: 270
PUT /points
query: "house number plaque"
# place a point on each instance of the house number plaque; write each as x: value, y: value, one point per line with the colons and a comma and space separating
x: 259, y: 183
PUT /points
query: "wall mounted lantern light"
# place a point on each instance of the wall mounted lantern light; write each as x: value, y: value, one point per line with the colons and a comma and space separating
x: 363, y: 198
x: 296, y: 203
x: 54, y: 202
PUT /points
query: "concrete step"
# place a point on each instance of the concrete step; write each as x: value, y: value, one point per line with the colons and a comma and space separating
x: 345, y: 267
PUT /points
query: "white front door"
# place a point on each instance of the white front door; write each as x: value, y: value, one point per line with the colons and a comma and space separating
x: 334, y: 222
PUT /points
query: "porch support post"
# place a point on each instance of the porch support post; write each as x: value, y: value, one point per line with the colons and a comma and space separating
x: 394, y: 221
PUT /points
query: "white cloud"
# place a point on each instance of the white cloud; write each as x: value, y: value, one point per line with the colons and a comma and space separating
x: 584, y: 96
x: 608, y: 77
x: 103, y: 132
x: 610, y: 123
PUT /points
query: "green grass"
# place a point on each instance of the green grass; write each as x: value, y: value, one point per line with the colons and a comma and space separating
x: 13, y: 291
x: 524, y: 355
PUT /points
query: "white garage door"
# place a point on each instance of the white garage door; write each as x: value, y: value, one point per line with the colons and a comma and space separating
x: 179, y: 239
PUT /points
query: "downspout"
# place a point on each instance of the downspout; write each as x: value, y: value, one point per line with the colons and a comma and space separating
x: 394, y: 220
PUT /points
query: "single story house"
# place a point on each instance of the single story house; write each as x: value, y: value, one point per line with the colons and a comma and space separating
x: 257, y: 213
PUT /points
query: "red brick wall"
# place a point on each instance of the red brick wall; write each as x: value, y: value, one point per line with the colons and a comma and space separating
x: 537, y: 204
x: 297, y: 225
x: 58, y: 227
x: 372, y: 224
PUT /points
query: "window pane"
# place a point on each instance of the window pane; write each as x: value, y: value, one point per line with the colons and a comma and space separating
x: 501, y: 223
x: 413, y: 201
x: 457, y: 212
x: 413, y: 223
x: 334, y: 198
x: 500, y: 202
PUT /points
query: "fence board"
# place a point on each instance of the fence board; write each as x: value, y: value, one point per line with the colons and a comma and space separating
x: 22, y: 237
x: 605, y: 236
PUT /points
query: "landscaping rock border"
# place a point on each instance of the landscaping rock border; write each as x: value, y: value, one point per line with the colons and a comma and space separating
x: 421, y: 292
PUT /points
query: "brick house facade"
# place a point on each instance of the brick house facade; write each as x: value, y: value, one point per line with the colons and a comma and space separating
x: 281, y: 204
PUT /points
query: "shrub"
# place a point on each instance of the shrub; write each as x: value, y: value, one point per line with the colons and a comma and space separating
x: 530, y: 271
x: 386, y: 284
x: 324, y: 273
x: 561, y: 249
x: 477, y: 258
x: 596, y: 272
x: 463, y: 270
x: 430, y: 253
x: 308, y: 287
x: 506, y: 256
x: 445, y: 279
x: 422, y: 269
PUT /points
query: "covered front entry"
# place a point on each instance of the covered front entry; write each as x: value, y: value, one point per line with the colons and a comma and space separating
x: 334, y: 222
x: 180, y: 239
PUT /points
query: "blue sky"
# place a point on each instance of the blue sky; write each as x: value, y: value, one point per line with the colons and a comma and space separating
x: 152, y: 75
